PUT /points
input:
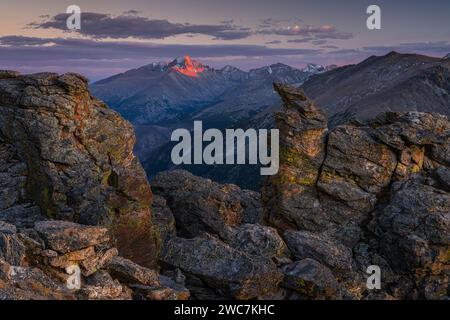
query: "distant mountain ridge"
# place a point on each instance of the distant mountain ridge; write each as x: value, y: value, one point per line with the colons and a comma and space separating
x: 393, y: 82
x: 158, y: 98
x: 171, y: 91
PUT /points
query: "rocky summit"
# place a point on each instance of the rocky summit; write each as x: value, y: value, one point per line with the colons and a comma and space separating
x: 79, y: 220
x: 362, y: 194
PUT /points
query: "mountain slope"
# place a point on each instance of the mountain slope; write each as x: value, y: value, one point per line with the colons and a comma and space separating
x: 394, y: 82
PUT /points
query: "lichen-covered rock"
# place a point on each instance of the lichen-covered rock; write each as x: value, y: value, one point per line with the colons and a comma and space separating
x: 28, y: 283
x: 43, y: 267
x: 64, y: 236
x: 73, y: 157
x: 365, y: 193
x: 231, y: 272
x: 290, y: 196
x: 11, y: 247
x: 201, y: 205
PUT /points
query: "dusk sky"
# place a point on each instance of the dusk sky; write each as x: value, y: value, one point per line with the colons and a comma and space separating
x: 119, y: 35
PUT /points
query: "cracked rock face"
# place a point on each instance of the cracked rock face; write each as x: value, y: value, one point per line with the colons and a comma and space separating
x: 68, y: 156
x: 372, y: 193
x: 201, y: 205
x: 232, y: 272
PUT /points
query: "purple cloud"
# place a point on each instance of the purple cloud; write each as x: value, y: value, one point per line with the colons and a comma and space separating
x: 130, y: 25
x: 97, y: 59
x: 323, y: 32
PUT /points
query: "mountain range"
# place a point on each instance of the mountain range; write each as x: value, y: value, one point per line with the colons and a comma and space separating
x: 160, y: 97
x: 185, y: 88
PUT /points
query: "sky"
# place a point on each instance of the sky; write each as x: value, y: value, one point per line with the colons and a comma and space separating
x: 119, y: 35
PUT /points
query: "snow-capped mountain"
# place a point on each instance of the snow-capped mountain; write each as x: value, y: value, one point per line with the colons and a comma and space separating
x: 163, y: 91
x: 163, y: 96
x: 313, y: 68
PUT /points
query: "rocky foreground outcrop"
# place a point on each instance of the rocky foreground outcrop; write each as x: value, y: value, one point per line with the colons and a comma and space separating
x: 373, y: 193
x: 74, y: 198
x: 65, y: 260
x: 66, y: 155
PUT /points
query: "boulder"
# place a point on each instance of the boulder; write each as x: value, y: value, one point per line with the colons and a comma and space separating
x: 101, y: 286
x: 304, y: 244
x: 200, y: 205
x: 289, y: 197
x: 129, y: 272
x: 168, y: 290
x: 310, y: 279
x: 64, y: 236
x: 230, y: 272
x: 257, y: 240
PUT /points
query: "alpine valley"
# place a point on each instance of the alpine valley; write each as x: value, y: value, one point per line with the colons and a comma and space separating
x: 161, y: 97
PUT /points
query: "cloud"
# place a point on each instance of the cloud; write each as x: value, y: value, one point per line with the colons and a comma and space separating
x: 129, y: 24
x: 132, y: 12
x: 23, y: 41
x: 437, y: 47
x: 319, y: 42
x: 271, y: 22
x: 325, y: 31
x: 87, y: 48
x: 274, y: 42
x: 330, y: 47
x: 303, y: 40
x: 97, y: 59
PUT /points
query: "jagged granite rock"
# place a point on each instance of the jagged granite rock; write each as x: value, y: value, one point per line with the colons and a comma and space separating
x: 230, y: 272
x: 201, y: 205
x: 365, y: 193
x: 71, y: 156
x: 303, y: 129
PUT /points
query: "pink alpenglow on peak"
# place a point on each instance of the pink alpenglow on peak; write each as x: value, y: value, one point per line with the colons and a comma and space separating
x: 189, y: 67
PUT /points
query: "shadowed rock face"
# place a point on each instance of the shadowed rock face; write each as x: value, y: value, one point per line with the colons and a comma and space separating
x: 365, y: 193
x: 201, y: 205
x: 71, y: 156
